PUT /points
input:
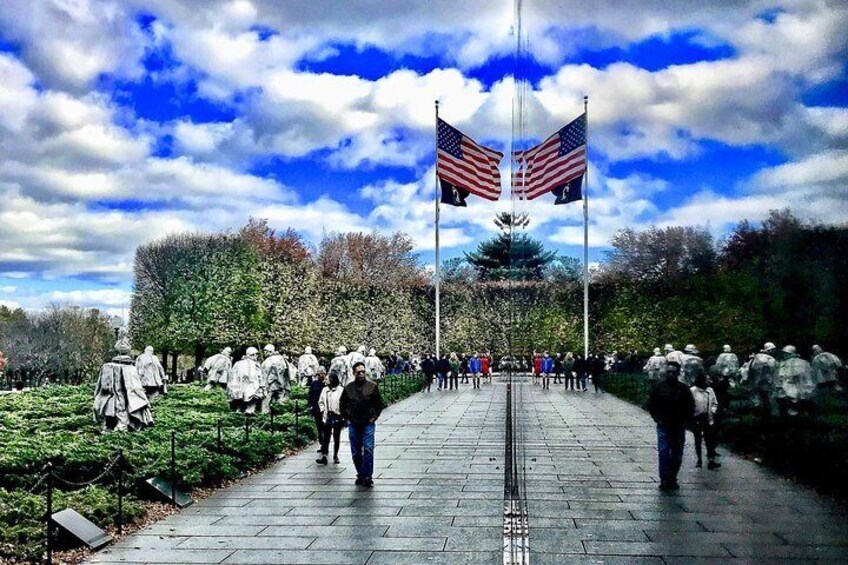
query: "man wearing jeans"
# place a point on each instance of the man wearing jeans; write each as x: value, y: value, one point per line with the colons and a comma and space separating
x: 671, y: 406
x: 361, y: 405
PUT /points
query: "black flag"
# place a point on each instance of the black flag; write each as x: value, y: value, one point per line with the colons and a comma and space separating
x: 569, y: 192
x: 452, y: 194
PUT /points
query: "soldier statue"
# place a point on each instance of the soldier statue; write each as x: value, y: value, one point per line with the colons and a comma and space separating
x: 119, y: 398
x: 795, y: 385
x: 727, y: 364
x: 763, y: 378
x: 692, y: 365
x: 374, y: 366
x: 151, y: 373
x: 341, y: 366
x: 307, y: 365
x: 655, y: 367
x: 218, y: 369
x: 826, y: 368
x: 247, y: 388
x: 276, y: 375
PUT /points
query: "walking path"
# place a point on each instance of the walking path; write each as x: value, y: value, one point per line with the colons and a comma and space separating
x: 438, y: 497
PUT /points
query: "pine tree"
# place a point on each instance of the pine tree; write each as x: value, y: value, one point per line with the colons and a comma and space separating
x: 510, y: 255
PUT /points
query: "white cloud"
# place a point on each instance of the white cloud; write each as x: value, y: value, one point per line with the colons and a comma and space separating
x: 10, y: 304
x: 69, y: 43
x: 109, y: 297
x: 8, y: 289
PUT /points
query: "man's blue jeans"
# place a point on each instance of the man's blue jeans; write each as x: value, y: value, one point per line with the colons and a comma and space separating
x: 362, y: 448
x: 670, y: 442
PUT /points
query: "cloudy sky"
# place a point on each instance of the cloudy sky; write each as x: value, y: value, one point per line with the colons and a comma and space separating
x: 122, y: 121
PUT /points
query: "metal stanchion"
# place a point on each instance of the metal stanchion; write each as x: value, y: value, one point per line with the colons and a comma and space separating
x: 173, y: 468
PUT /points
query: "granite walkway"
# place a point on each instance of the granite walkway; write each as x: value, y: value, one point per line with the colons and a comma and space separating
x: 438, y: 497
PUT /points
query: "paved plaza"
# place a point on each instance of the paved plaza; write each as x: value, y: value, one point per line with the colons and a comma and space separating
x: 591, y: 485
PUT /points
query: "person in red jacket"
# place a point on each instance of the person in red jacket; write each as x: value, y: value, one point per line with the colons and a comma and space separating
x: 486, y: 366
x: 537, y: 366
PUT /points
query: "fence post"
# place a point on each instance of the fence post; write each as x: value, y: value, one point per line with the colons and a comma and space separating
x: 246, y: 429
x: 219, y: 434
x: 173, y: 468
x: 272, y: 419
x: 49, y: 515
x: 296, y: 421
x: 120, y: 492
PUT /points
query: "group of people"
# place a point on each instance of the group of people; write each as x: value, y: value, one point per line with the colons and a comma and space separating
x: 448, y: 368
x: 571, y: 370
x: 356, y: 405
x: 778, y: 381
x: 687, y: 395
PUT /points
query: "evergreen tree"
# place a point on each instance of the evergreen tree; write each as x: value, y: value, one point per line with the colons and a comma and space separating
x: 511, y: 255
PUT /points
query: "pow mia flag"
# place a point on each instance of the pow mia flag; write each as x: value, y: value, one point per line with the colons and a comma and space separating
x: 569, y: 192
x: 452, y: 194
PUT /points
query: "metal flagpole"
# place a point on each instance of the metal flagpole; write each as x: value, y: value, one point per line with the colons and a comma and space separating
x: 438, y: 199
x: 586, y: 238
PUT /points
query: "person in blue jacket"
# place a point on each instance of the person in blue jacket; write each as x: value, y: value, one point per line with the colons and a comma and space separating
x: 547, y: 369
x: 475, y: 367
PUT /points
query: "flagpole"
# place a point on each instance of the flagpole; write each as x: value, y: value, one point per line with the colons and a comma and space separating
x: 585, y: 238
x: 438, y: 199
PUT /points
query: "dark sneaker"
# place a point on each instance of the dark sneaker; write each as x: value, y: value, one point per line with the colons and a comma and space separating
x: 369, y: 483
x: 321, y: 461
x: 699, y: 464
x: 336, y: 460
x: 713, y: 465
x: 359, y: 481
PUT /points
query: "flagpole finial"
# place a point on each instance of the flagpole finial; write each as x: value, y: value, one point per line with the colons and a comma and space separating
x: 437, y: 103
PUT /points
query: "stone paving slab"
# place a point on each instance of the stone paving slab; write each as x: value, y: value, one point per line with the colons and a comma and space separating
x: 591, y: 481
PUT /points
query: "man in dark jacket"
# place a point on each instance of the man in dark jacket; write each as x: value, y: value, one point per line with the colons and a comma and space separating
x: 428, y: 367
x: 315, y: 389
x: 672, y: 407
x: 361, y: 405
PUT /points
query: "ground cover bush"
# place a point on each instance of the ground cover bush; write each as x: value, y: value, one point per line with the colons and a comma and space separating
x: 811, y: 447
x: 54, y: 424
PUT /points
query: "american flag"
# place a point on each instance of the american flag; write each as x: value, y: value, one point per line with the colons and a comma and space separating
x: 464, y: 163
x: 553, y: 163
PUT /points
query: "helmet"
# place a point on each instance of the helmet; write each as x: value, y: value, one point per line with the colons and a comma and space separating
x: 307, y: 350
x: 789, y: 349
x: 361, y: 349
x: 269, y: 348
x: 251, y: 351
x: 149, y: 350
x: 769, y: 346
x: 341, y: 350
x: 669, y: 347
x: 656, y: 351
x: 227, y: 351
x: 690, y: 348
x: 726, y: 348
x: 372, y: 352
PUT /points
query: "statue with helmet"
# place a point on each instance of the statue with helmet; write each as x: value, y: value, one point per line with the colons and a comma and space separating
x: 307, y: 366
x: 119, y: 398
x: 374, y: 366
x: 692, y: 364
x: 795, y: 385
x: 727, y: 364
x: 763, y: 377
x: 826, y: 367
x: 152, y: 374
x: 247, y: 388
x: 217, y: 369
x: 340, y: 365
x: 276, y: 376
x: 655, y: 367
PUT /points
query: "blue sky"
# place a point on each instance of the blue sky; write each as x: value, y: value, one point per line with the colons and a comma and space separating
x: 134, y: 119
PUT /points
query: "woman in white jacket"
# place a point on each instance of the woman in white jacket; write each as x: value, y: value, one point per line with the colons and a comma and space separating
x: 333, y: 421
x: 703, y: 423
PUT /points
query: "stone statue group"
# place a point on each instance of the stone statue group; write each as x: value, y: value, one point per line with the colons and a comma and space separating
x: 126, y: 386
x: 777, y: 380
x: 124, y: 389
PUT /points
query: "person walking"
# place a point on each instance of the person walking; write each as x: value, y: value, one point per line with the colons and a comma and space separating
x: 331, y: 415
x: 428, y: 367
x: 580, y: 370
x: 671, y: 406
x: 537, y: 367
x: 598, y: 369
x: 486, y: 367
x: 453, y: 376
x: 316, y: 387
x: 558, y: 366
x: 547, y: 369
x: 361, y: 405
x: 463, y: 368
x: 475, y: 367
x: 703, y: 422
x: 443, y: 369
x: 568, y: 370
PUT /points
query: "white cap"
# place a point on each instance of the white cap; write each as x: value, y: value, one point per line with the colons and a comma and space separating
x: 269, y: 348
x: 251, y: 351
